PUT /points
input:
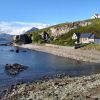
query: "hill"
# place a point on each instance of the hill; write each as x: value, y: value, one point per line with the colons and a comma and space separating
x: 5, y: 38
x: 61, y: 34
x: 32, y: 29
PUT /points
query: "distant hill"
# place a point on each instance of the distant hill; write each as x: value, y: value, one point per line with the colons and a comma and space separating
x: 5, y: 38
x: 32, y: 29
x: 4, y: 35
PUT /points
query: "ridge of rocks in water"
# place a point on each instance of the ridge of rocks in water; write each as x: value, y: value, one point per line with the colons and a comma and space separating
x: 14, y: 69
x: 6, y: 44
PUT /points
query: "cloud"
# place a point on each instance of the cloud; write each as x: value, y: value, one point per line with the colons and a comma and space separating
x: 17, y: 27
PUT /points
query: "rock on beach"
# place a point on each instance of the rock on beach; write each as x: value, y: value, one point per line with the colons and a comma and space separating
x: 14, y: 69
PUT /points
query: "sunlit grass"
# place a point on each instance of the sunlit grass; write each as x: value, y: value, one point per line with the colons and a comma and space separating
x: 91, y: 47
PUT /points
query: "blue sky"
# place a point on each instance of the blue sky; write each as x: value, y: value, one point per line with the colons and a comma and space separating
x: 47, y: 11
x: 17, y: 16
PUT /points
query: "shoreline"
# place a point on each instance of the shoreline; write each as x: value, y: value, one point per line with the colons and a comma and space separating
x: 57, y: 88
x: 91, y: 56
x: 64, y: 88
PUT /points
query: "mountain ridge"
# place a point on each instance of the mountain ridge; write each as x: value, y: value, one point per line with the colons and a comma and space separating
x: 32, y: 29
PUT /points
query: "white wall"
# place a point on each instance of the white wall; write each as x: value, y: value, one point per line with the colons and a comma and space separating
x: 74, y: 36
x: 86, y: 40
x: 95, y: 16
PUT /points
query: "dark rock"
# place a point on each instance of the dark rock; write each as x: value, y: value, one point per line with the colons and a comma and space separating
x: 87, y: 96
x: 23, y: 39
x: 17, y: 50
x: 96, y: 99
x: 11, y: 50
x: 56, y: 83
x: 24, y: 51
x: 60, y: 75
x: 14, y: 69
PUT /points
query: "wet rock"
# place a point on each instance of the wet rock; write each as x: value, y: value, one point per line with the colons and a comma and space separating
x: 11, y: 50
x: 17, y: 50
x: 60, y: 75
x: 6, y: 44
x: 14, y: 69
x: 24, y: 51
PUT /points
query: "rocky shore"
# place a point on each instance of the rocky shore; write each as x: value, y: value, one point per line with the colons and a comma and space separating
x: 62, y: 88
x: 68, y: 52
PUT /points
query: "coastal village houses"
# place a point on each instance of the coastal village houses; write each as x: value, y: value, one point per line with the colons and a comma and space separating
x: 85, y: 38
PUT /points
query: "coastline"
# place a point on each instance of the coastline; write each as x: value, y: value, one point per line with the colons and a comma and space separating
x: 62, y: 88
x: 58, y: 88
x: 92, y: 56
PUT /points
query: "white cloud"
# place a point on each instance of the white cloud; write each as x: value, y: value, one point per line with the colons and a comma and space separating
x: 16, y: 27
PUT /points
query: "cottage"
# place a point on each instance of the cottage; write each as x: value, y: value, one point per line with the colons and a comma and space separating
x: 87, y: 38
x: 84, y: 37
x: 95, y: 16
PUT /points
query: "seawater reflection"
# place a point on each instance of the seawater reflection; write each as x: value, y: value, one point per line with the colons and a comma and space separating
x: 40, y: 64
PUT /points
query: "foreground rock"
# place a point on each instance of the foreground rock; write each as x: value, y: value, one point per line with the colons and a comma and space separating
x: 66, y: 88
x: 14, y: 69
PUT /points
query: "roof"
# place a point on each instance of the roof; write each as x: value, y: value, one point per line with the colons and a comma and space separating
x: 87, y: 35
x: 78, y: 34
x: 92, y: 36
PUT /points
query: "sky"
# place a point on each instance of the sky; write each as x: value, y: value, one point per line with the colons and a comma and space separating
x: 27, y: 13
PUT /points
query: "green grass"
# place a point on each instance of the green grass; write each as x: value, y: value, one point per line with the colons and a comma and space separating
x: 65, y: 39
x: 91, y: 47
x: 93, y: 28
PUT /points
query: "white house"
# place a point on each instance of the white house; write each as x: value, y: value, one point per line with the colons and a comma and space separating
x: 95, y: 16
x: 84, y: 37
x: 87, y: 38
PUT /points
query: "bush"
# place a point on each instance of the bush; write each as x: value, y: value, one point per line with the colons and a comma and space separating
x: 36, y: 37
x: 41, y: 41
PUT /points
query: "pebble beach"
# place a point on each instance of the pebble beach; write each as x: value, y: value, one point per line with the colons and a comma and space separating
x: 60, y: 87
x: 65, y: 51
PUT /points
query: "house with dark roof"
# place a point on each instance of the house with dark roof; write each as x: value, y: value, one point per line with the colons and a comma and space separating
x: 95, y: 16
x: 84, y: 37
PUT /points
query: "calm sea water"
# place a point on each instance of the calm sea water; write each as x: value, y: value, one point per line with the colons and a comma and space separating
x: 40, y: 64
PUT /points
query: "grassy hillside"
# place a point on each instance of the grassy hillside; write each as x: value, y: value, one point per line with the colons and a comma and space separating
x: 65, y: 39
